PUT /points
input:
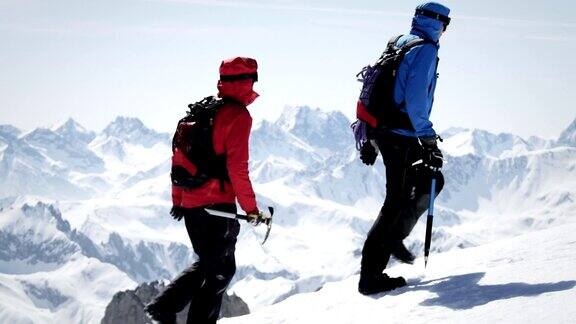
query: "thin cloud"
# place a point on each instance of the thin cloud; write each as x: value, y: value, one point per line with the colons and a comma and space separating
x: 109, y: 30
x: 551, y: 38
x: 516, y: 21
x: 282, y: 6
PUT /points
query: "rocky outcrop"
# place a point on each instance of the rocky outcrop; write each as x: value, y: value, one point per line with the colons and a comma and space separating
x: 127, y: 307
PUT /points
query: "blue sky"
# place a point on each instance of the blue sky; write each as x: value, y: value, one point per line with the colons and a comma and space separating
x: 505, y: 67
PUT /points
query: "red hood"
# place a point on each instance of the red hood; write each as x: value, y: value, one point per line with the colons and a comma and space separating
x: 240, y: 91
x: 240, y: 73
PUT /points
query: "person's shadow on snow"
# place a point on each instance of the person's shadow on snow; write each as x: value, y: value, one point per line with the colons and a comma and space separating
x: 463, y: 291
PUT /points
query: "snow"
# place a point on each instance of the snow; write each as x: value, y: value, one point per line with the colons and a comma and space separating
x: 24, y: 266
x: 73, y: 131
x: 458, y: 142
x: 9, y: 131
x: 526, y: 279
x: 80, y: 298
x: 132, y: 130
x: 505, y: 199
x: 37, y: 222
x: 568, y: 136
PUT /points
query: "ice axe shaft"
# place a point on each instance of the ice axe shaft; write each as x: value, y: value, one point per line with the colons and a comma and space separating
x: 226, y: 214
x: 429, y: 221
x: 266, y: 219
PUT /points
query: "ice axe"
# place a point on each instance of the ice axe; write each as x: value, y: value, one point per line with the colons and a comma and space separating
x: 429, y: 221
x: 430, y: 218
x: 265, y: 218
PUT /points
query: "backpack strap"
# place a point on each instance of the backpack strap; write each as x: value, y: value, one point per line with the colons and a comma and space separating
x: 204, y: 107
x: 389, y: 49
x: 413, y: 43
x: 392, y: 42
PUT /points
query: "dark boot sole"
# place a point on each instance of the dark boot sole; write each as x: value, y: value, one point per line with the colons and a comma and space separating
x: 368, y: 292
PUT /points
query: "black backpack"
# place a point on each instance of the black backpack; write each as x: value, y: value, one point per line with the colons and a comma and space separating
x: 376, y: 106
x: 194, y: 160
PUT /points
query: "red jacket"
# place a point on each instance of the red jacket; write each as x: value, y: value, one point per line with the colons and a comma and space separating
x: 231, y: 134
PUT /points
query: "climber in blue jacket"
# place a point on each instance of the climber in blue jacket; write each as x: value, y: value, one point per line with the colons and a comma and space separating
x: 417, y: 74
x: 402, y: 147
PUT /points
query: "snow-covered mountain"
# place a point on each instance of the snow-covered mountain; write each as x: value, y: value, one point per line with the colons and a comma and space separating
x: 38, y: 241
x: 72, y: 131
x: 82, y: 204
x: 568, y: 136
x: 64, y: 150
x: 39, y: 237
x: 8, y: 133
x: 479, y: 142
x: 24, y: 169
x: 131, y: 130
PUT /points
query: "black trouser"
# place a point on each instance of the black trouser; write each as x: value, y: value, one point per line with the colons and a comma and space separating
x: 203, y: 284
x: 407, y: 198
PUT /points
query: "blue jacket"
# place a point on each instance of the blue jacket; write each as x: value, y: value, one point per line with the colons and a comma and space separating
x: 416, y: 79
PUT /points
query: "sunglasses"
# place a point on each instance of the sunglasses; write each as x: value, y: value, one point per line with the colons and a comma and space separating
x: 245, y: 76
x: 431, y: 14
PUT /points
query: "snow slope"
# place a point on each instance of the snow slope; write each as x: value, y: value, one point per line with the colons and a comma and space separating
x: 526, y: 279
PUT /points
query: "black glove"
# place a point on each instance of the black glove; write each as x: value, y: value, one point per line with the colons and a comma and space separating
x: 432, y: 156
x: 177, y: 213
x: 368, y: 153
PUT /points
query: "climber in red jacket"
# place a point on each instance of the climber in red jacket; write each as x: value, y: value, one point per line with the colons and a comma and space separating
x: 214, y: 238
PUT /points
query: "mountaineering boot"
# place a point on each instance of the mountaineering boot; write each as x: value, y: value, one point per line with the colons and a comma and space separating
x: 380, y: 283
x: 154, y: 313
x: 402, y: 254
